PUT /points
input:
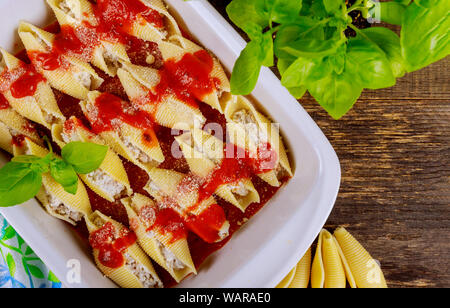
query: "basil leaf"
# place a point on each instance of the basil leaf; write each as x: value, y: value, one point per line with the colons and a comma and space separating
x: 83, y: 156
x: 336, y: 93
x: 424, y: 35
x: 297, y: 92
x: 426, y: 3
x: 64, y: 174
x: 369, y: 63
x: 267, y: 49
x: 248, y: 15
x: 11, y: 174
x: 283, y: 11
x: 307, y: 39
x: 332, y: 6
x: 246, y: 69
x: 26, y: 159
x: 18, y: 183
x: 390, y: 12
x: 389, y: 42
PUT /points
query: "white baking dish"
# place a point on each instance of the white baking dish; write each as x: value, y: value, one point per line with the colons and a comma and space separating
x: 270, y: 244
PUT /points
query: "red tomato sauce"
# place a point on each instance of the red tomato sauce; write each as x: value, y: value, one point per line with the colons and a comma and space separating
x: 18, y: 140
x: 22, y: 81
x: 115, y: 18
x: 4, y: 104
x: 188, y: 79
x: 169, y: 222
x: 111, y: 247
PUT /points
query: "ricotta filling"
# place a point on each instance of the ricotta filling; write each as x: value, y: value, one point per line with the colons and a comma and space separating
x: 60, y: 208
x: 224, y: 231
x: 107, y: 184
x: 138, y: 154
x: 68, y: 7
x: 142, y: 273
x: 85, y: 78
x: 169, y: 257
x: 49, y: 118
x: 71, y: 136
x: 239, y: 190
x: 250, y: 125
x: 111, y: 60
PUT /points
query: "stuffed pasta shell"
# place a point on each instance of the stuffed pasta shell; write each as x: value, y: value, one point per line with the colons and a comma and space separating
x: 14, y: 128
x: 252, y: 131
x: 199, y: 65
x: 117, y: 254
x: 168, y: 111
x: 27, y: 91
x: 110, y: 180
x: 129, y: 132
x: 181, y: 192
x: 78, y: 15
x: 206, y: 158
x: 161, y: 234
x: 65, y: 73
x: 56, y: 201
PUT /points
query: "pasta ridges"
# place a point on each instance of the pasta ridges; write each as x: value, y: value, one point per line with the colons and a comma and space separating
x: 116, y: 18
x: 109, y: 109
x: 21, y: 81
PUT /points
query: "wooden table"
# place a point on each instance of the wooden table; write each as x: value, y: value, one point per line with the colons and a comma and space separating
x: 394, y: 148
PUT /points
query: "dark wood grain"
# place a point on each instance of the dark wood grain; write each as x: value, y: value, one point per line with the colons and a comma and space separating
x: 394, y: 148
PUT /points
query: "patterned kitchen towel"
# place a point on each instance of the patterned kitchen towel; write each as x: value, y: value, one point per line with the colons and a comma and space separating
x: 19, y: 265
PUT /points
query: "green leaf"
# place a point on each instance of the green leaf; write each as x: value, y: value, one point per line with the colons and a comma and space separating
x: 64, y: 174
x: 283, y: 11
x: 305, y: 71
x: 35, y: 271
x: 18, y: 183
x: 336, y: 93
x: 332, y: 6
x: 426, y: 3
x: 9, y: 233
x: 83, y: 156
x: 390, y: 12
x: 11, y: 264
x: 389, y: 42
x: 367, y: 61
x: 425, y: 34
x: 246, y: 69
x: 26, y: 159
x: 250, y: 16
x: 297, y: 92
x: 306, y: 40
x: 267, y: 50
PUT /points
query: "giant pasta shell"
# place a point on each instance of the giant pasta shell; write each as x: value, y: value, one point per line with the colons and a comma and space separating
x: 327, y: 269
x: 65, y: 206
x: 365, y: 270
x: 170, y: 112
x: 41, y: 107
x: 302, y: 272
x: 75, y: 78
x: 13, y: 125
x: 158, y: 244
x: 286, y: 282
x: 248, y: 129
x: 204, y: 153
x: 124, y: 275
